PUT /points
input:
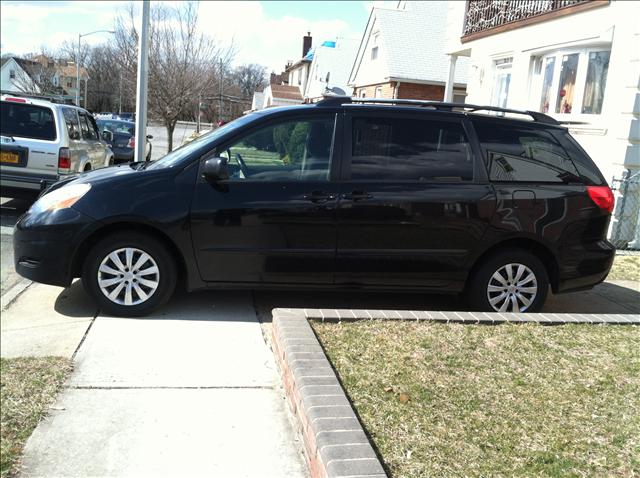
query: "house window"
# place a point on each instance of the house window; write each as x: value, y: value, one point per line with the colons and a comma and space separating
x: 374, y: 53
x: 12, y: 74
x: 378, y: 93
x: 501, y: 82
x: 69, y: 84
x: 597, y: 70
x: 571, y: 82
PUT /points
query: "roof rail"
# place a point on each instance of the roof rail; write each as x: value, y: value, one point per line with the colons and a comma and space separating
x: 438, y: 105
x: 35, y: 96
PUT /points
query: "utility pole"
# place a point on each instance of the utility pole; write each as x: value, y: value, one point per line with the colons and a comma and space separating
x: 143, y: 75
x: 221, y: 104
x: 198, y: 116
x: 78, y: 63
x: 120, y: 95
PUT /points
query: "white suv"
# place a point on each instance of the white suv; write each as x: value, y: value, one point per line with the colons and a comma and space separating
x: 41, y: 141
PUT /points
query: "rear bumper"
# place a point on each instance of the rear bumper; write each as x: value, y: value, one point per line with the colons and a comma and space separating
x: 586, y: 267
x: 44, y: 253
x: 29, y: 181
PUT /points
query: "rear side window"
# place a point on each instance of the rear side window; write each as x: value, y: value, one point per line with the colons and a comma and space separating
x: 27, y: 121
x: 87, y: 128
x: 409, y: 150
x: 520, y: 154
x: 71, y: 120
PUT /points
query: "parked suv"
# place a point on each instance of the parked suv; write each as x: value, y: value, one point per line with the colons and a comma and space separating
x: 353, y: 193
x: 41, y: 141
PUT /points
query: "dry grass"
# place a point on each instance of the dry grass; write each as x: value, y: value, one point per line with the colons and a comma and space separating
x: 625, y: 268
x: 27, y: 387
x: 509, y: 400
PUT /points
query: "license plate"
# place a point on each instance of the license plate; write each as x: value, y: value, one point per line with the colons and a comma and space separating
x: 7, y: 157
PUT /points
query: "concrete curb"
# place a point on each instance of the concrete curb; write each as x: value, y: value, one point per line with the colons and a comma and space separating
x: 334, y: 442
x: 12, y: 294
x: 466, y: 317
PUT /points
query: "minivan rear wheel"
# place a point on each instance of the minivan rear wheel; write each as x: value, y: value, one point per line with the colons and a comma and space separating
x: 514, y: 280
x: 129, y: 274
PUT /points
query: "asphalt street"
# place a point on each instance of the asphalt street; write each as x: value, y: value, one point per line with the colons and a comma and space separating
x: 10, y: 210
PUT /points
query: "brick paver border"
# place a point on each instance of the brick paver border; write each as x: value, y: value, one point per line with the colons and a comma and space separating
x: 334, y: 441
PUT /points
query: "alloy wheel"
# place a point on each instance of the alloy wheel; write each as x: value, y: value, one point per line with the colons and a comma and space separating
x: 128, y: 276
x: 512, y: 288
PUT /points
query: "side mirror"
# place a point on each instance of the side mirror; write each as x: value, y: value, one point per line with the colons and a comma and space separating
x: 215, y: 169
x: 107, y: 136
x: 149, y: 136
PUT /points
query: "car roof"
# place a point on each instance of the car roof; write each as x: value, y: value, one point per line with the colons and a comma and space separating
x: 25, y: 100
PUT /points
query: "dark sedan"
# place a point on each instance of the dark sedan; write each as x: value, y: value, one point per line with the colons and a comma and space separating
x: 120, y: 136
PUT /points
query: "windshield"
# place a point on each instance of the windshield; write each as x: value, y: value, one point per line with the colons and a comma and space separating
x: 177, y: 155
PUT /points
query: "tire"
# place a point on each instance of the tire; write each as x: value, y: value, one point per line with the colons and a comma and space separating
x: 127, y: 280
x: 530, y: 293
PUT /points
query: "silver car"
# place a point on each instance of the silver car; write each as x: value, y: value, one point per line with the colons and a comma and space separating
x: 41, y: 141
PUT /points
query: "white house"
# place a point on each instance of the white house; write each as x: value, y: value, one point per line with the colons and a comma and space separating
x: 402, y: 54
x: 281, y: 95
x: 15, y: 75
x: 576, y: 60
x: 330, y: 68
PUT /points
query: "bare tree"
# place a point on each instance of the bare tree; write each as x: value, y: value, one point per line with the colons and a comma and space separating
x: 182, y: 60
x: 250, y: 78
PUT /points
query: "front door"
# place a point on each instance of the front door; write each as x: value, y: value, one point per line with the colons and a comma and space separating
x: 273, y: 220
x: 414, y: 203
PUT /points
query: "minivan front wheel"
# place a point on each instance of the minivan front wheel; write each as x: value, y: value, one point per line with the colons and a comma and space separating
x: 129, y: 274
x: 511, y: 281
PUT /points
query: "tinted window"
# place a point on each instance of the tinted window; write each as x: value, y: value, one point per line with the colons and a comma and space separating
x: 27, y: 121
x: 87, y: 128
x: 293, y: 150
x: 71, y: 120
x: 524, y: 155
x: 409, y: 149
x: 117, y: 126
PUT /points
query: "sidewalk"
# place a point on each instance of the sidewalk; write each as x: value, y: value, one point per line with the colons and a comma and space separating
x: 190, y: 391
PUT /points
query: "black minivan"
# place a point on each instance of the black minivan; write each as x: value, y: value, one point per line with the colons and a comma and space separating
x: 359, y: 193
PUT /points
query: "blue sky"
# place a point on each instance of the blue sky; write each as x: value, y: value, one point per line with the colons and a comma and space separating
x: 269, y: 33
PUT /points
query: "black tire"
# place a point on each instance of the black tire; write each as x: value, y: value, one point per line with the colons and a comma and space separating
x: 165, y: 279
x: 477, y: 291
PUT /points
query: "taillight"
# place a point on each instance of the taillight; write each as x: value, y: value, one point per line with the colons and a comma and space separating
x: 602, y: 196
x: 132, y: 142
x: 64, y: 161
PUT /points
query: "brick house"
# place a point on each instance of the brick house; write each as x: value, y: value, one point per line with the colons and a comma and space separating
x: 402, y: 54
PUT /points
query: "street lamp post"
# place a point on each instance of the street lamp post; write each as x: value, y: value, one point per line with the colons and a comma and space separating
x: 78, y: 64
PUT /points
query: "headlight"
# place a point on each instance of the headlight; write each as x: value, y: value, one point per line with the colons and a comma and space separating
x: 61, y: 198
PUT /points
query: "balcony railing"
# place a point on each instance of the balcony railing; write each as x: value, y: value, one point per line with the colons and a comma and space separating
x: 485, y: 17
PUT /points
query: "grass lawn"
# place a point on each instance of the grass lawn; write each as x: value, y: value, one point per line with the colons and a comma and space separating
x: 28, y: 386
x: 507, y: 400
x: 625, y: 268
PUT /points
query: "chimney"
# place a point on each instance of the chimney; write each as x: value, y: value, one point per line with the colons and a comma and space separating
x: 306, y: 44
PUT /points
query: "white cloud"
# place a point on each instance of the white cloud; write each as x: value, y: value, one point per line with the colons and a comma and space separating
x: 27, y: 26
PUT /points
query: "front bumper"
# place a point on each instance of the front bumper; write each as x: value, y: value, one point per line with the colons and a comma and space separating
x: 44, y: 245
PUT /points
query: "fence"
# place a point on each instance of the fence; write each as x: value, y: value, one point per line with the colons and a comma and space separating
x: 625, y: 231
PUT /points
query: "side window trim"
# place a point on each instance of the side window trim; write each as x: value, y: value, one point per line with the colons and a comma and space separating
x: 479, y: 172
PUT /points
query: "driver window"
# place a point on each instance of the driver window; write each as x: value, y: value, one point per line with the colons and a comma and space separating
x: 289, y: 151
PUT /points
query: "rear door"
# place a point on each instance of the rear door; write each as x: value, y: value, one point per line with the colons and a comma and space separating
x: 90, y: 141
x: 29, y: 141
x: 273, y: 220
x: 414, y: 201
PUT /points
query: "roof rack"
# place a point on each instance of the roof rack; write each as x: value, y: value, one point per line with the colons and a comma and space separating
x: 438, y: 105
x: 34, y: 96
